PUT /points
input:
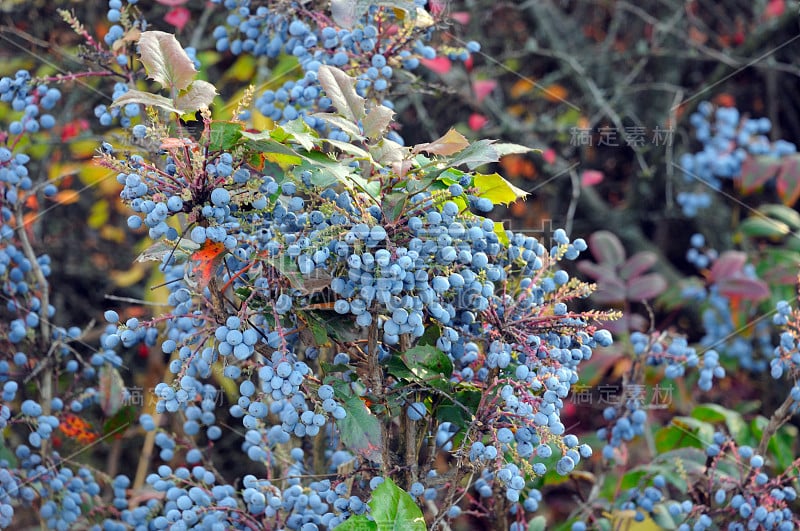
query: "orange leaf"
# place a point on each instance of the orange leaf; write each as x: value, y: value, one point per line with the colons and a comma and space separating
x: 206, y: 259
x: 76, y: 428
x: 67, y: 197
x: 522, y: 87
x: 725, y: 100
x: 518, y: 166
x: 555, y: 93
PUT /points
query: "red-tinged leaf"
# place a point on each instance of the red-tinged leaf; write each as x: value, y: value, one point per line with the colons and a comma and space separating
x: 178, y: 17
x: 610, y: 291
x: 595, y: 271
x: 788, y: 183
x: 482, y: 88
x: 119, y: 423
x: 477, y: 121
x: 206, y: 260
x: 172, y: 3
x: 646, y: 287
x: 774, y: 9
x: 728, y: 265
x: 549, y: 155
x: 638, y: 264
x: 756, y: 171
x: 606, y: 248
x: 462, y: 17
x: 452, y: 142
x: 746, y: 288
x: 439, y: 65
x: 591, y: 178
x: 111, y: 390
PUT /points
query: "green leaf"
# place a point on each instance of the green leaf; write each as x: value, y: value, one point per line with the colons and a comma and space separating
x: 340, y: 122
x: 165, y: 60
x: 298, y: 131
x: 224, y: 135
x: 538, y: 523
x: 662, y: 518
x: 432, y: 333
x: 350, y: 149
x: 394, y: 509
x: 428, y: 361
x: 199, y: 96
x: 145, y: 98
x: 317, y: 327
x: 357, y: 522
x: 673, y: 436
x: 377, y: 120
x: 397, y: 368
x: 270, y: 149
x: 495, y: 188
x: 463, y: 413
x: 340, y: 88
x: 760, y: 227
x: 781, y: 445
x: 7, y: 453
x: 360, y: 429
x: 714, y: 413
x: 504, y: 149
x: 782, y: 213
x: 480, y: 153
x: 450, y: 176
x: 119, y: 423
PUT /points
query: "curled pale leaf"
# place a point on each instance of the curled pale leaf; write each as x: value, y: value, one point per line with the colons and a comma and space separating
x: 340, y: 88
x: 199, y: 96
x: 377, y: 120
x: 145, y: 98
x: 452, y: 142
x: 165, y: 60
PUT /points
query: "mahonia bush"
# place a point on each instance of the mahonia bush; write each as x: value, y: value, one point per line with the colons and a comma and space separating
x: 366, y: 320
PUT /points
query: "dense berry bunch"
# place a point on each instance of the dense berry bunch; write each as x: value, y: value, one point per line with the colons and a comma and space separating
x: 727, y: 139
x: 375, y: 47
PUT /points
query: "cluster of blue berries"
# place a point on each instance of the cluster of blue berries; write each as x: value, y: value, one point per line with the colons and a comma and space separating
x: 727, y: 141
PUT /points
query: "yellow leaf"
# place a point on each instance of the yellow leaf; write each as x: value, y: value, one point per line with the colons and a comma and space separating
x: 83, y: 149
x: 243, y: 70
x: 98, y: 215
x: 128, y: 277
x: 495, y: 188
x: 112, y: 233
x: 57, y: 171
x: 626, y: 520
x: 500, y: 230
